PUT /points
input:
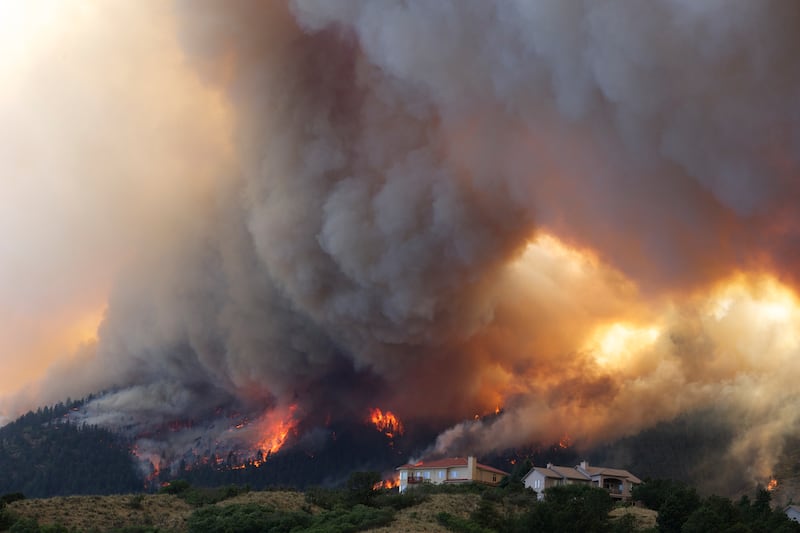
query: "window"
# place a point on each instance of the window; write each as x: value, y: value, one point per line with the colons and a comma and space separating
x: 441, y: 474
x: 403, y: 474
x: 494, y: 478
x: 426, y: 474
x: 453, y: 474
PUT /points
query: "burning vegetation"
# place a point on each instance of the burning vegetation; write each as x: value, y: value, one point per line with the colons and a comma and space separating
x: 274, y: 429
x: 387, y: 423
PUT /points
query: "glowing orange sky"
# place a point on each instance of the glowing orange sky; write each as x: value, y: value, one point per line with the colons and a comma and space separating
x: 110, y: 143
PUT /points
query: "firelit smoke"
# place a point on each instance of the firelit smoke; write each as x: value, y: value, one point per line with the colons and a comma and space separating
x: 575, y: 210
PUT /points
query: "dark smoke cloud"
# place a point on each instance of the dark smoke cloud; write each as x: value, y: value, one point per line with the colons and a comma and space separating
x: 453, y: 197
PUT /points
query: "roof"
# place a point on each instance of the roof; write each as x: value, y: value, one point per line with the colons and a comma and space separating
x: 546, y: 472
x: 449, y: 462
x: 611, y: 472
x: 491, y: 469
x: 441, y: 463
x: 569, y: 473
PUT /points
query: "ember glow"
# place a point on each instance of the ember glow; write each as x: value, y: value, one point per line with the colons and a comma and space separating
x: 387, y: 423
x: 274, y: 429
x: 388, y: 483
x: 772, y: 485
x: 445, y: 207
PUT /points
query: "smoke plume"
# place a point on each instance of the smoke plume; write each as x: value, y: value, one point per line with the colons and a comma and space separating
x: 582, y: 212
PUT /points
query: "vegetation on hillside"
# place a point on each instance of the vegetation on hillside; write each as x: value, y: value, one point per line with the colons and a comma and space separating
x: 468, y: 508
x: 43, y: 454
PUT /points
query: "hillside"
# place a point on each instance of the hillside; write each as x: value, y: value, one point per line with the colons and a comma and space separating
x: 166, y: 512
x: 43, y: 454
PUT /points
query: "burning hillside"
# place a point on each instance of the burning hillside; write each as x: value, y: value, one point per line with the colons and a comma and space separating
x: 586, y: 213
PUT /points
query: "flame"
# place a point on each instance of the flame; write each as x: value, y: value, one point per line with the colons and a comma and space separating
x: 149, y: 461
x: 388, y: 483
x: 387, y: 423
x: 772, y: 485
x: 565, y: 442
x: 275, y: 429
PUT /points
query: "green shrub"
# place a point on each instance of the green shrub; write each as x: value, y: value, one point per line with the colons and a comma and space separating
x: 11, y: 497
x: 486, y: 515
x: 179, y: 486
x: 254, y: 518
x: 7, y: 518
x: 135, y: 501
x: 135, y: 529
x: 359, y: 518
x: 361, y: 487
x: 245, y: 518
x: 460, y: 525
x: 624, y: 524
x: 325, y: 498
x: 25, y: 525
x: 198, y: 496
x: 398, y: 501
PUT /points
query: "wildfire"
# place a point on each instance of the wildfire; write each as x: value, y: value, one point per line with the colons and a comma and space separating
x: 275, y: 429
x: 150, y: 461
x: 390, y: 483
x: 565, y: 442
x: 772, y: 485
x: 387, y: 423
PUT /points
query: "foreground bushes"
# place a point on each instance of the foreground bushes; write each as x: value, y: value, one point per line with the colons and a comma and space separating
x: 198, y: 496
x: 252, y: 518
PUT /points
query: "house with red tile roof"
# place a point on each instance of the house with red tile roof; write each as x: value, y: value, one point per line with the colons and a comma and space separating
x: 616, y: 481
x: 450, y: 470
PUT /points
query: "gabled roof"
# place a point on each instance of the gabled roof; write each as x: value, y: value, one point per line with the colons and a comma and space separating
x: 569, y: 473
x: 579, y: 473
x: 440, y: 463
x: 611, y: 472
x: 546, y: 472
x: 491, y: 469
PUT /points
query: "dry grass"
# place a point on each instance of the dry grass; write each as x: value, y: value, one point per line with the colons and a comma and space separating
x: 169, y: 513
x: 422, y: 517
x: 283, y: 500
x: 107, y: 512
x: 645, y: 518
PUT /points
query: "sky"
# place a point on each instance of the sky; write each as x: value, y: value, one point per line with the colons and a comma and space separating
x: 583, y: 213
x: 102, y: 130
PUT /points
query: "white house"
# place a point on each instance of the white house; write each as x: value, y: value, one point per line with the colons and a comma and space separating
x: 450, y: 470
x: 616, y: 481
x: 793, y: 512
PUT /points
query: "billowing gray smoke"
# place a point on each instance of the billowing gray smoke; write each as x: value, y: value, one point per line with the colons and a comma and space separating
x: 446, y: 206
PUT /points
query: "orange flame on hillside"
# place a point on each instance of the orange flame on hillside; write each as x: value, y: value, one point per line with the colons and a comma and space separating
x: 151, y: 459
x: 565, y: 442
x: 391, y: 483
x: 387, y: 423
x: 275, y: 429
x: 772, y: 485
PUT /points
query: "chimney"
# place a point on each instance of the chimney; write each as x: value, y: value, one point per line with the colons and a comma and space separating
x: 472, y: 467
x: 584, y: 465
x: 549, y: 465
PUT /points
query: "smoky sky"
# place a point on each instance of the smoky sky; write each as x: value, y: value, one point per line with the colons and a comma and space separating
x: 462, y: 199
